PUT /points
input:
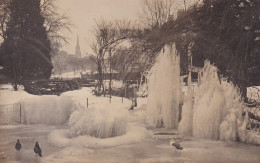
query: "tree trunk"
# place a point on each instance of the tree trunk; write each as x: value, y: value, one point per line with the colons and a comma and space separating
x: 100, y: 77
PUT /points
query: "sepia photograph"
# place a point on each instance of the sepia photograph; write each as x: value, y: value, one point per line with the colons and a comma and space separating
x: 129, y: 81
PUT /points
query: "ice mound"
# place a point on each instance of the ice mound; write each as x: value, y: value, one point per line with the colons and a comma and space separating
x: 103, y: 126
x: 62, y: 138
x: 217, y: 111
x: 164, y: 94
x: 50, y: 110
x: 102, y: 122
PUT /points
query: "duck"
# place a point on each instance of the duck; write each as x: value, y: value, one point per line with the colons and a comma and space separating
x: 176, y: 144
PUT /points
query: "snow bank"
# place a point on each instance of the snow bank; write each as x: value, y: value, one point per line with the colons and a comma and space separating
x: 9, y: 96
x: 67, y: 75
x: 11, y: 126
x: 80, y: 97
x: 50, y: 110
x: 164, y: 90
x: 115, y: 84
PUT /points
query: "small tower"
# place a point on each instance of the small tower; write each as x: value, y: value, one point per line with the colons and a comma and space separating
x: 77, y: 51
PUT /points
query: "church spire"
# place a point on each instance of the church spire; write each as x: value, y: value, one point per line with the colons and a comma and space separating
x: 77, y: 51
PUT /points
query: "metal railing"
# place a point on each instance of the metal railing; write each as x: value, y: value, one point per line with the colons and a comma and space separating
x: 11, y: 114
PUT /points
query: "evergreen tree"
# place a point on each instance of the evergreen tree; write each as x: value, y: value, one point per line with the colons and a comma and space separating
x: 228, y: 29
x: 226, y: 34
x: 26, y: 50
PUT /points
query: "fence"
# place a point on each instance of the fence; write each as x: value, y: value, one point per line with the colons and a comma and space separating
x: 10, y: 114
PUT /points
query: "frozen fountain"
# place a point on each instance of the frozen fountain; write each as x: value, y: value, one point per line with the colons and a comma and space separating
x: 99, y: 122
x: 217, y: 110
x: 185, y: 125
x: 214, y: 111
x: 164, y: 95
x: 103, y: 121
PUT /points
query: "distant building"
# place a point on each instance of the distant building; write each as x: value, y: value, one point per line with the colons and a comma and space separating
x: 77, y: 51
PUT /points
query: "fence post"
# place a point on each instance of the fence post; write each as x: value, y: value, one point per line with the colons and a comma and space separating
x: 132, y: 97
x: 20, y: 113
x: 126, y: 89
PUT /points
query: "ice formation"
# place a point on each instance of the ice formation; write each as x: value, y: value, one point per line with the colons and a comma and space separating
x: 103, y: 122
x: 63, y: 138
x: 50, y: 110
x: 103, y: 125
x: 217, y: 109
x: 214, y: 111
x: 164, y: 90
x: 185, y: 125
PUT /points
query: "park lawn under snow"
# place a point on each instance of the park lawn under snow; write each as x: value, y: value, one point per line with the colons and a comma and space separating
x: 9, y: 96
x: 67, y: 75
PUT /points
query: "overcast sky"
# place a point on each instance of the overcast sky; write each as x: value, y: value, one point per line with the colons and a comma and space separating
x: 83, y: 13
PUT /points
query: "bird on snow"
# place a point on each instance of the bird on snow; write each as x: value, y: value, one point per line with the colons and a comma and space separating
x: 37, y: 149
x: 176, y: 144
x: 18, y: 145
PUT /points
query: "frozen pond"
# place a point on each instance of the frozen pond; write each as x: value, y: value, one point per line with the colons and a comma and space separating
x: 153, y: 149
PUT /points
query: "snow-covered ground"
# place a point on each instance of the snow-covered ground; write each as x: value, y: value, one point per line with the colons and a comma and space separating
x: 69, y: 140
x: 67, y: 75
x: 9, y: 96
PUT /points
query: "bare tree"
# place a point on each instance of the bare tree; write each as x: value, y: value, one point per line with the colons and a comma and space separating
x: 107, y: 36
x: 4, y: 17
x: 55, y: 22
x: 157, y: 12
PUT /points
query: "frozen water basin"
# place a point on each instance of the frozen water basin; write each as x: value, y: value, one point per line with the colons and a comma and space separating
x: 154, y: 149
x: 28, y: 135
